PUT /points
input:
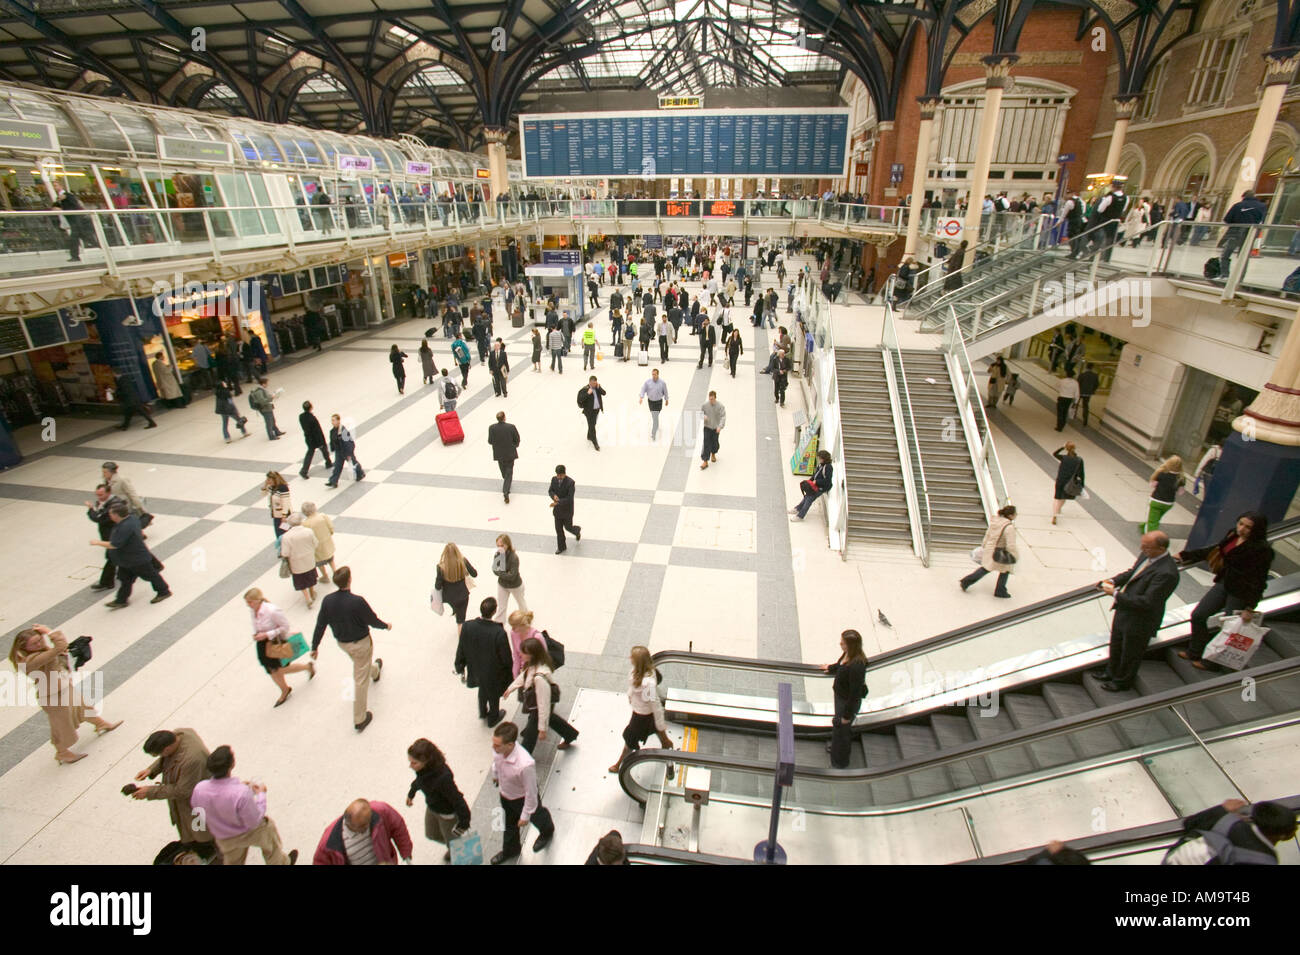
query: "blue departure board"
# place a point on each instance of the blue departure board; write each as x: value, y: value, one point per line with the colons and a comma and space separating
x: 756, y: 142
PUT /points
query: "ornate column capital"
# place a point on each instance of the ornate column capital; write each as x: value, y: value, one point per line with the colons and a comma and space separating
x: 496, y: 135
x: 1126, y: 105
x: 1280, y: 65
x: 886, y: 127
x: 929, y: 105
x: 997, y: 69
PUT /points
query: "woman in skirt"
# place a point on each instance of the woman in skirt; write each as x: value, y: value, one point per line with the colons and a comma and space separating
x: 647, y: 710
x: 446, y: 814
x: 270, y: 624
x: 298, y: 546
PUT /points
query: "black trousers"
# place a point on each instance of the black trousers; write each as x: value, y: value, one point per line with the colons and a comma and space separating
x: 841, y: 737
x: 311, y: 453
x: 663, y: 348
x: 528, y: 736
x: 1215, y: 600
x: 563, y: 524
x: 108, y: 576
x: 488, y: 699
x: 779, y: 385
x: 500, y: 384
x: 514, y: 810
x: 979, y: 573
x: 129, y: 413
x: 1083, y: 407
x: 507, y: 475
x: 706, y: 349
x: 126, y: 580
x: 1062, y: 412
x: 1128, y: 642
x: 591, y: 417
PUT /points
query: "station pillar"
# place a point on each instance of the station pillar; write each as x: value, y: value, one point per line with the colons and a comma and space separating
x: 997, y: 77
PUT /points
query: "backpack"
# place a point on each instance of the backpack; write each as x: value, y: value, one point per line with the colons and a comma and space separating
x: 259, y: 399
x: 1222, y: 850
x: 450, y: 390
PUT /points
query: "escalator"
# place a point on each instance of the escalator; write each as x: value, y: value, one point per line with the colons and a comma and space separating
x: 934, y: 737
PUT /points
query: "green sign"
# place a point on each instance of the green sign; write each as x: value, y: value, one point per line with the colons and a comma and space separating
x: 15, y: 134
x: 193, y: 150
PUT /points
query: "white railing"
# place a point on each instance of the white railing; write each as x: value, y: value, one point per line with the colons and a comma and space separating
x: 909, y: 441
x: 979, y: 437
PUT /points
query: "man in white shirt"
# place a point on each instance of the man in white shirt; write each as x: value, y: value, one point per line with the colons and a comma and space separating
x: 1067, y: 392
x: 515, y: 774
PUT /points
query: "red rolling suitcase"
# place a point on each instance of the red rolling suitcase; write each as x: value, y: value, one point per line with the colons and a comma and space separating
x: 449, y: 428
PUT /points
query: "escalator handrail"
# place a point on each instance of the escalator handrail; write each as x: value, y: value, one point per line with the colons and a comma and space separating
x: 1110, y: 841
x: 1126, y: 709
x: 1279, y: 531
x: 637, y: 850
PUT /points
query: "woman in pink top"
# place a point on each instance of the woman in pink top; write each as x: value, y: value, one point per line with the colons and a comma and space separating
x: 270, y: 624
x: 521, y: 628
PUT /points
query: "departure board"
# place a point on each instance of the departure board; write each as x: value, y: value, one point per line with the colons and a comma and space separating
x: 650, y: 144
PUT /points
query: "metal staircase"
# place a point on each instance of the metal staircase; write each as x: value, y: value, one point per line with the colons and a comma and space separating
x: 956, y: 508
x: 877, y: 511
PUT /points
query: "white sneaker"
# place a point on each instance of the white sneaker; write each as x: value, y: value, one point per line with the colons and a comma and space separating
x: 795, y: 519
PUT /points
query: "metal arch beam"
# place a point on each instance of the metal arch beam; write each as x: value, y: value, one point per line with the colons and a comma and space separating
x: 349, y: 74
x: 138, y: 48
x: 40, y: 68
x: 88, y: 57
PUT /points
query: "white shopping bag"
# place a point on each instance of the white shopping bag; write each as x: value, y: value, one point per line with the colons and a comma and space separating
x: 435, y: 601
x: 1235, y: 644
x: 977, y: 554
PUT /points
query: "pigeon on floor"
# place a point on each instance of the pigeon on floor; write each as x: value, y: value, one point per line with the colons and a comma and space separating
x: 880, y: 615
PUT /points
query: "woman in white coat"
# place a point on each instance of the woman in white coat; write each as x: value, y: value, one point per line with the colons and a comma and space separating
x: 299, y: 545
x: 1001, y: 535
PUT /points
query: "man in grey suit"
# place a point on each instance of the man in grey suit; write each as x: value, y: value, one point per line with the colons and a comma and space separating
x: 1140, y: 594
x: 504, y: 439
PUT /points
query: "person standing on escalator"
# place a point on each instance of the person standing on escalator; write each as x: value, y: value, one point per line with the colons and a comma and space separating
x: 1240, y: 564
x: 850, y: 689
x: 1140, y: 594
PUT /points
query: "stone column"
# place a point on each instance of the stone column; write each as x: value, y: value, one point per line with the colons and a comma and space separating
x: 496, y: 156
x: 929, y: 104
x: 1124, y: 107
x: 997, y: 70
x: 1279, y: 67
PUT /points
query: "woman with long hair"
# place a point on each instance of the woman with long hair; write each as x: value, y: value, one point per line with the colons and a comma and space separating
x: 1069, y: 477
x: 398, y: 359
x: 427, y: 368
x: 40, y: 650
x: 1166, y: 481
x: 1240, y: 564
x: 270, y: 625
x: 505, y: 564
x: 849, y: 690
x: 539, y: 694
x: 1000, y: 536
x: 647, y: 708
x: 521, y: 628
x: 281, y: 507
x: 453, y: 581
x: 735, y: 348
x: 446, y: 813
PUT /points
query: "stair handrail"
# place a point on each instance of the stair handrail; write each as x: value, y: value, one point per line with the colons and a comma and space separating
x: 988, y: 468
x: 900, y: 399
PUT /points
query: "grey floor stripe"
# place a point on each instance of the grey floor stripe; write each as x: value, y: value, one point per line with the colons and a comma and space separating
x: 34, y: 732
x: 465, y: 483
x: 54, y: 495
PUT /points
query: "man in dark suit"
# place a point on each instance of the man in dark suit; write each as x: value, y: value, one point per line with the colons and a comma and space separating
x: 591, y: 399
x: 504, y: 439
x: 708, y: 338
x: 483, y: 655
x: 315, y: 438
x: 561, y: 494
x: 499, y: 365
x: 1140, y: 594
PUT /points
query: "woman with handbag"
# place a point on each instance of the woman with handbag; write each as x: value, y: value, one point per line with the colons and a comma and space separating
x: 281, y: 507
x: 647, y: 707
x: 446, y: 813
x: 998, y: 553
x: 521, y: 629
x: 453, y: 581
x: 1240, y: 564
x: 505, y: 564
x: 1166, y: 481
x: 539, y: 694
x: 271, y: 631
x: 225, y: 406
x: 298, y: 547
x: 1069, y: 477
x: 42, y: 654
x: 849, y: 690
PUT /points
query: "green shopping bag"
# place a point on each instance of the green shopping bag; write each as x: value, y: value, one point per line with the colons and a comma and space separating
x: 300, y: 648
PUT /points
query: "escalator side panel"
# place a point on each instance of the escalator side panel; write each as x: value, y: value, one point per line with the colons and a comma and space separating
x: 879, y: 750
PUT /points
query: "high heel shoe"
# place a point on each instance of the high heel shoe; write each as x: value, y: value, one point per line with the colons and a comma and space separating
x: 281, y: 701
x: 311, y: 671
x: 70, y: 758
x: 101, y: 730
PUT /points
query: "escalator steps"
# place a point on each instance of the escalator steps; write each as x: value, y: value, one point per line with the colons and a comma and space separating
x: 881, y: 750
x: 917, y: 741
x: 1283, y: 639
x: 1155, y: 676
x: 1228, y: 708
x: 1029, y: 711
x: 1143, y: 730
x: 955, y: 731
x: 1068, y: 700
x: 1007, y: 762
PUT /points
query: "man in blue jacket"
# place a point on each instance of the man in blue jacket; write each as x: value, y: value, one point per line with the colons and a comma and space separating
x: 1249, y: 211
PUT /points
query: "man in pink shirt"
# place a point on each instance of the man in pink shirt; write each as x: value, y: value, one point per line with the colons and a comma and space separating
x: 235, y: 813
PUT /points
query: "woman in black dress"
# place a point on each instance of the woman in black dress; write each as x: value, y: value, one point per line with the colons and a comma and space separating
x: 398, y: 358
x: 1240, y: 563
x: 1071, y: 466
x: 452, y: 581
x: 537, y: 350
x: 850, y: 689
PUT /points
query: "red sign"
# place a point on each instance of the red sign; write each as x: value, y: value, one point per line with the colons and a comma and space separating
x: 723, y: 208
x: 679, y: 209
x: 860, y: 169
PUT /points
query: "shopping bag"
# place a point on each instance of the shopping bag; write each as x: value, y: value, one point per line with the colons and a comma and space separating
x: 1234, y: 644
x: 467, y: 850
x: 977, y: 554
x: 435, y: 601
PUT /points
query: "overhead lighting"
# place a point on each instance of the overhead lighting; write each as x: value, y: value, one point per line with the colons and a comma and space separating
x: 274, y: 44
x: 399, y: 36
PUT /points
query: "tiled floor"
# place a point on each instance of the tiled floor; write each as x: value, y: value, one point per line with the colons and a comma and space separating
x: 671, y: 556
